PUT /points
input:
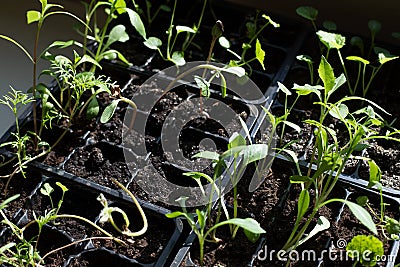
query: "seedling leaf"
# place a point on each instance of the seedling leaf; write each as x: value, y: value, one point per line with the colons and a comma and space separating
x: 153, y: 43
x: 109, y: 111
x: 307, y: 12
x: 260, y: 54
x: 331, y: 40
x: 137, y: 23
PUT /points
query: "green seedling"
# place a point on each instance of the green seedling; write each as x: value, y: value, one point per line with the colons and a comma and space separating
x: 25, y: 252
x: 39, y: 17
x: 73, y: 85
x: 174, y: 31
x: 254, y: 32
x: 250, y: 226
x: 16, y: 101
x: 362, y: 246
x: 328, y: 157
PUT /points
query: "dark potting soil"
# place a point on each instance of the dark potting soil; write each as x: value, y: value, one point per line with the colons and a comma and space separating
x: 18, y: 185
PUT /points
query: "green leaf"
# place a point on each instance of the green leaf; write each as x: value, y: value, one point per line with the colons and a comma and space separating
x: 92, y: 108
x: 178, y: 58
x: 375, y: 173
x: 366, y: 250
x: 307, y: 12
x: 322, y: 225
x: 292, y: 125
x: 308, y: 89
x: 33, y: 16
x: 359, y: 59
x: 268, y: 18
x: 303, y: 203
x: 374, y: 26
x: 362, y: 200
x: 326, y: 74
x: 283, y: 88
x: 89, y: 59
x: 63, y: 187
x: 203, y: 85
x: 120, y: 6
x: 207, y: 155
x: 201, y: 218
x: 236, y: 70
x: 117, y: 34
x: 252, y: 237
x: 362, y: 215
x: 137, y: 23
x: 329, y: 25
x: 109, y: 111
x: 260, y: 54
x: 180, y: 29
x: 331, y: 40
x: 46, y: 189
x: 339, y: 81
x: 305, y: 58
x: 153, y: 43
x: 8, y: 200
x: 224, y: 42
x: 295, y: 179
x: 236, y: 140
x: 248, y: 224
x: 6, y: 247
x: 254, y: 152
x: 339, y: 112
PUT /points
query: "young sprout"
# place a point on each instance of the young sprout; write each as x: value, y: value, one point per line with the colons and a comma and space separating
x: 106, y: 214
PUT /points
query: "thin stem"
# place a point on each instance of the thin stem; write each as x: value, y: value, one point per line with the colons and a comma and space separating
x: 186, y: 44
x: 171, y: 25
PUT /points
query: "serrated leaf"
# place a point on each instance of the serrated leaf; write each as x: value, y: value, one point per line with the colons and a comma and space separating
x: 137, y: 23
x: 153, y: 43
x: 260, y: 54
x: 33, y: 16
x: 331, y: 40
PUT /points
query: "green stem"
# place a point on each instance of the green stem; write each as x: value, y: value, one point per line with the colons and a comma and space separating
x: 171, y: 25
x: 186, y: 44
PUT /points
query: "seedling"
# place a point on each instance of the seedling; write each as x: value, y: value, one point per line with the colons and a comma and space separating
x: 34, y: 16
x: 249, y: 225
x: 329, y: 158
x: 16, y: 101
x: 365, y: 250
x: 24, y: 252
x: 106, y: 214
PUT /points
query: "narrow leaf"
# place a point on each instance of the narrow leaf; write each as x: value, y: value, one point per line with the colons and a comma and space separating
x: 303, y: 203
